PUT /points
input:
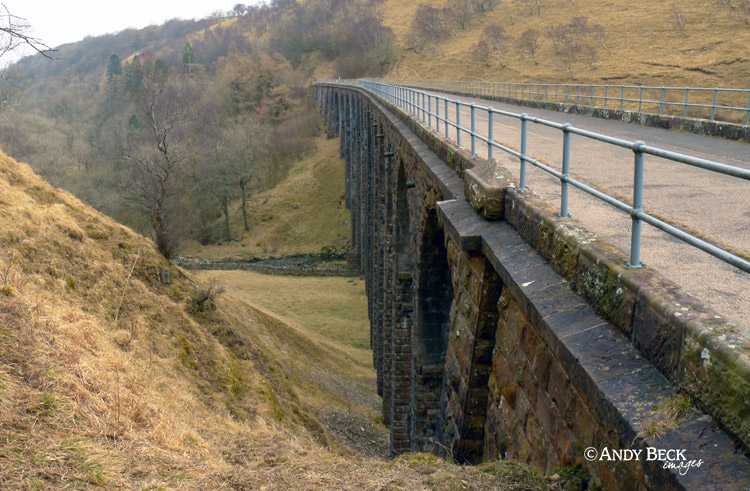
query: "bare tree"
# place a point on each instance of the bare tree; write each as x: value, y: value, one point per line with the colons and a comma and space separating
x: 568, y: 56
x: 580, y: 24
x: 463, y: 12
x: 498, y: 39
x: 530, y: 4
x: 484, y: 5
x: 482, y: 51
x: 589, y: 53
x: 529, y: 41
x: 558, y: 35
x: 677, y: 18
x: 245, y: 143
x: 14, y: 33
x: 599, y: 32
x: 743, y: 10
x: 429, y: 27
x: 158, y: 151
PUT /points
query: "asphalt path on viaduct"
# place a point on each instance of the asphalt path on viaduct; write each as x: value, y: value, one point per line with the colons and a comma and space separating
x: 716, y: 205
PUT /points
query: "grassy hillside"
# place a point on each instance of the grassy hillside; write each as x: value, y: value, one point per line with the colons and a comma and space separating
x: 646, y: 46
x: 116, y: 370
x: 302, y: 214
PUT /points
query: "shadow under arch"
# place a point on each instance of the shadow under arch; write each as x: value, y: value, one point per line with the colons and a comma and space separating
x: 434, y: 297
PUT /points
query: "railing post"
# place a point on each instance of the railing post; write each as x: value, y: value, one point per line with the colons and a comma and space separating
x: 524, y: 132
x: 473, y: 130
x: 747, y: 116
x: 578, y: 101
x: 661, y: 101
x: 635, y: 235
x: 458, y: 123
x: 429, y: 111
x: 566, y: 94
x: 490, y: 131
x: 622, y: 96
x: 447, y: 126
x: 713, y: 108
x: 437, y: 115
x: 640, y: 101
x: 565, y: 172
x: 606, y: 94
x: 555, y: 93
x: 687, y: 97
x: 422, y: 107
x: 592, y: 95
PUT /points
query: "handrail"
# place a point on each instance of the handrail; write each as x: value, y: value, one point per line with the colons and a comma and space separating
x: 705, y: 102
x: 419, y: 104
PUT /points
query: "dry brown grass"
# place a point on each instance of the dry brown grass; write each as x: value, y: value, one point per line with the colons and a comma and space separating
x: 646, y: 48
x: 166, y: 396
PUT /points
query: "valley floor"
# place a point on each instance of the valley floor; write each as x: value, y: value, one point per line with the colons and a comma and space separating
x: 332, y: 312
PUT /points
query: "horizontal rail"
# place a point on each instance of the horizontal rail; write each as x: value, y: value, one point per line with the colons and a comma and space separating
x: 722, y: 104
x: 420, y: 104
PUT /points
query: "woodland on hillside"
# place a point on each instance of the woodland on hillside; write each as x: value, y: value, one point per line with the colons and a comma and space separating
x: 171, y: 128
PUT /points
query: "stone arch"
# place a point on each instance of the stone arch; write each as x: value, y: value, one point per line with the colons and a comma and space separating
x: 403, y: 221
x: 434, y: 297
x: 387, y: 276
x: 403, y: 301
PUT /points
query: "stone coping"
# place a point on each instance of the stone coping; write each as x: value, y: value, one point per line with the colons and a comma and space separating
x: 602, y: 362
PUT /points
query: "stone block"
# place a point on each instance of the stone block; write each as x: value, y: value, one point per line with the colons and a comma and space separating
x: 485, y: 185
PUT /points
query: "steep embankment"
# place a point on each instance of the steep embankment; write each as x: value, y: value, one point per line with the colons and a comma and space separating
x: 643, y: 38
x: 116, y: 371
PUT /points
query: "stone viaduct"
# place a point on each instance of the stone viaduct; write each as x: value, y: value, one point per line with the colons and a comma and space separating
x: 500, y: 331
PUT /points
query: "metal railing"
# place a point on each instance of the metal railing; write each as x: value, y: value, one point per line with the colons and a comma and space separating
x: 426, y: 106
x: 713, y: 104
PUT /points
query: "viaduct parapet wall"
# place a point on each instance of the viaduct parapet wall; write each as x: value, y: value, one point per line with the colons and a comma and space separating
x: 499, y: 331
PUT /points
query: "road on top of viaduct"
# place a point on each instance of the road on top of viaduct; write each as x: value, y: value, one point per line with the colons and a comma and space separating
x: 716, y: 205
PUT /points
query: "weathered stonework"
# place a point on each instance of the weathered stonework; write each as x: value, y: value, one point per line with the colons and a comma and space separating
x: 499, y: 331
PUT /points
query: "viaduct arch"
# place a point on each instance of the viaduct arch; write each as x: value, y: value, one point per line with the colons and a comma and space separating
x: 498, y: 331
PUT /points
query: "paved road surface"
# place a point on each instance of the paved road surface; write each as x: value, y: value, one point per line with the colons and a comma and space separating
x: 711, y: 203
